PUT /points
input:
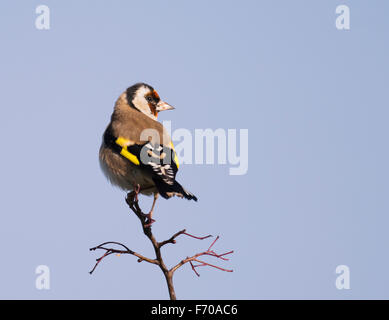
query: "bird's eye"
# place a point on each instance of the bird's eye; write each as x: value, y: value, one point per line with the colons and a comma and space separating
x: 149, y: 99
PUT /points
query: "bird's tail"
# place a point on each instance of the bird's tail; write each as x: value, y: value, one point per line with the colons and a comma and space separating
x: 167, y: 190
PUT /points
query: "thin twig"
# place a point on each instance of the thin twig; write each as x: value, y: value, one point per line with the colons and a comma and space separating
x: 208, y: 252
x: 112, y: 250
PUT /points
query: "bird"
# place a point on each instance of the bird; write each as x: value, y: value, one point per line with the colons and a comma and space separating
x: 136, y: 152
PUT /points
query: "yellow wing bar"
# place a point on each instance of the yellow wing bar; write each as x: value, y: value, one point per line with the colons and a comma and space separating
x: 124, y: 143
x: 175, y: 155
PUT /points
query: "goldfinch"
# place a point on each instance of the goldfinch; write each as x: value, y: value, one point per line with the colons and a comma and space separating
x: 136, y: 152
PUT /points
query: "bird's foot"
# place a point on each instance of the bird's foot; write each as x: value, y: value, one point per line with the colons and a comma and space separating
x: 132, y: 196
x: 136, y: 191
x: 149, y: 220
x: 130, y: 199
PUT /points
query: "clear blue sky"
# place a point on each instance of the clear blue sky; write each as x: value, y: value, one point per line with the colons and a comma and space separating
x: 315, y: 101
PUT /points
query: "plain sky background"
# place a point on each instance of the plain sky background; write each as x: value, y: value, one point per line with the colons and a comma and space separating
x: 315, y: 101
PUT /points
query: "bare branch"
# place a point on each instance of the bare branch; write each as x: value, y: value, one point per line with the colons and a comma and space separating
x: 109, y: 251
x: 199, y: 238
x: 208, y: 252
x: 172, y: 239
x: 132, y: 201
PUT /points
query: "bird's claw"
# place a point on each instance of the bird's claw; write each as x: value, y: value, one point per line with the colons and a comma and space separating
x: 149, y: 220
x: 136, y: 191
x: 148, y: 223
x: 132, y: 200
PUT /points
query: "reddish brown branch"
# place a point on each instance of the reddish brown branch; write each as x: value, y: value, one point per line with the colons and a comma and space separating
x: 109, y: 251
x: 204, y: 264
x: 172, y: 238
x: 199, y: 238
x: 132, y: 202
x: 194, y: 268
x: 208, y: 252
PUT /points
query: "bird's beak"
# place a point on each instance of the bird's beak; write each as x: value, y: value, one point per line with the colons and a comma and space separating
x: 161, y: 106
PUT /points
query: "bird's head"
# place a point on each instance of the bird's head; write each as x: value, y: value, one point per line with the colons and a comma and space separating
x: 144, y: 98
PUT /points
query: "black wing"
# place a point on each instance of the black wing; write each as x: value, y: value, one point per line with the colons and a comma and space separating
x: 159, y: 161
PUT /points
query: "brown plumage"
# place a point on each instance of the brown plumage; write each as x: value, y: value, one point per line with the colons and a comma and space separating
x: 134, y: 121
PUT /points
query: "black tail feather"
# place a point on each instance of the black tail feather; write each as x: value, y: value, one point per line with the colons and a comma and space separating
x: 167, y: 190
